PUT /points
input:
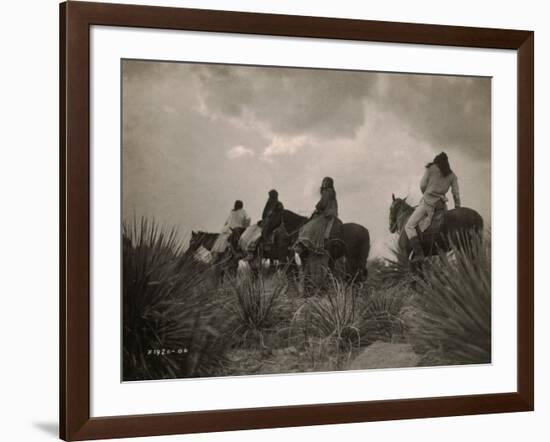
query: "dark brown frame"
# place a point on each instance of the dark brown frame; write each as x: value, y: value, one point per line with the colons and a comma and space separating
x: 75, y: 21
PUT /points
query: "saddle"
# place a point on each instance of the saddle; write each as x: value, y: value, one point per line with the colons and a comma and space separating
x: 429, y: 236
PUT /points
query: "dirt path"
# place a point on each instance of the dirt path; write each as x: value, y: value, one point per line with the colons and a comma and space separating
x: 385, y: 355
x: 284, y: 360
x: 291, y: 360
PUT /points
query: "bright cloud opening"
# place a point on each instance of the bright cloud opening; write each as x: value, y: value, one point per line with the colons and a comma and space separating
x: 238, y: 152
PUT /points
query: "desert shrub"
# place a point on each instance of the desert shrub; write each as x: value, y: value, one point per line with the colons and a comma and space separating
x: 382, y: 313
x: 349, y: 315
x: 171, y: 326
x: 334, y: 315
x: 387, y: 273
x: 450, y: 322
x: 253, y: 306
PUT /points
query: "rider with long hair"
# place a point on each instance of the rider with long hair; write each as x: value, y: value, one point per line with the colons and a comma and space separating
x: 273, y: 205
x: 273, y: 210
x: 313, y: 234
x: 438, y: 178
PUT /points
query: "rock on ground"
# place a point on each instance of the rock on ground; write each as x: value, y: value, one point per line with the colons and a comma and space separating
x: 385, y: 355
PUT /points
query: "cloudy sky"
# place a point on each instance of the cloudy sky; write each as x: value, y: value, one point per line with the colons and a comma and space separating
x: 197, y: 136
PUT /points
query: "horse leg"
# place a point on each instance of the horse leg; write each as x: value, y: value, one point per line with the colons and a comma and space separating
x: 331, y: 265
x: 404, y: 245
x: 316, y: 267
x: 306, y: 280
x: 352, y: 269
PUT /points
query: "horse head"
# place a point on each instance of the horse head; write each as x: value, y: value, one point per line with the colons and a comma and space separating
x: 199, y: 238
x: 194, y: 242
x: 396, y: 207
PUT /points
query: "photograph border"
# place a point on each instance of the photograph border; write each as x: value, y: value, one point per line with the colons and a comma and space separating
x: 76, y: 18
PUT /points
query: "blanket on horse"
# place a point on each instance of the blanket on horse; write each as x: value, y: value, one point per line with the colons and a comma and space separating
x: 249, y: 239
x: 313, y: 234
x: 237, y: 219
x: 221, y: 244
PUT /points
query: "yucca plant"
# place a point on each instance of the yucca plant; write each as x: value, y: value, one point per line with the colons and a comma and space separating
x: 382, y: 311
x: 397, y: 271
x: 253, y: 304
x: 452, y: 320
x: 170, y: 325
x: 334, y: 315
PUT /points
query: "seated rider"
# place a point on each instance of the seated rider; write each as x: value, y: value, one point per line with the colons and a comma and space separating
x: 272, y: 212
x: 438, y: 178
x: 312, y: 235
x: 238, y: 218
x: 273, y: 209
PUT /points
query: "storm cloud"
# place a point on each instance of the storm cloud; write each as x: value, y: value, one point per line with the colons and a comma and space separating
x: 451, y: 112
x: 198, y: 136
x: 321, y: 103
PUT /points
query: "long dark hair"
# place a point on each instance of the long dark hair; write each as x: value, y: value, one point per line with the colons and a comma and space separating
x: 238, y: 205
x: 328, y: 183
x: 442, y: 161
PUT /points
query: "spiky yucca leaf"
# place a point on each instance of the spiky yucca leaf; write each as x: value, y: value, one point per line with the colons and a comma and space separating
x: 452, y: 324
x: 166, y: 308
x: 382, y: 313
x: 388, y: 273
x: 253, y: 305
x: 334, y: 315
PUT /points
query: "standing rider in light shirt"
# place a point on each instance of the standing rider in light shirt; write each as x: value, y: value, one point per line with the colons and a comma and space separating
x: 438, y: 178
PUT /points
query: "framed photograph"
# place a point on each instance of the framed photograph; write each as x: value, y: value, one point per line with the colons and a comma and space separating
x: 272, y: 221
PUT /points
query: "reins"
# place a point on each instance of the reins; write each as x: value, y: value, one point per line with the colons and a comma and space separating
x: 283, y: 225
x: 291, y: 233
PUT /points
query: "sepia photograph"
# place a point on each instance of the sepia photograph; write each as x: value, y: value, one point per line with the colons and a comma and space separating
x: 282, y: 220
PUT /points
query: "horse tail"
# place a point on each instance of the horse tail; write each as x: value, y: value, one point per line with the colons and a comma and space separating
x: 465, y: 228
x: 363, y: 256
x: 479, y: 226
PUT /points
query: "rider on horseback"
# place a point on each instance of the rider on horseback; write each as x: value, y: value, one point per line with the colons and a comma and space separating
x: 273, y: 209
x: 313, y: 234
x: 438, y: 178
x: 237, y: 219
x: 273, y: 205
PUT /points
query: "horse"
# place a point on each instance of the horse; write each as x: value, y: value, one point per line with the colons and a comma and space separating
x: 233, y: 253
x: 279, y: 231
x: 460, y: 225
x: 353, y: 243
x: 200, y: 238
x: 228, y: 262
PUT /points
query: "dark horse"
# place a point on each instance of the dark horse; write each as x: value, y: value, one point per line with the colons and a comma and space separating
x: 204, y: 239
x: 228, y: 262
x: 459, y: 224
x: 207, y: 239
x: 353, y: 243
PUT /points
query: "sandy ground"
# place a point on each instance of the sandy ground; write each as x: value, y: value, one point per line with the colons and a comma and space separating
x: 291, y: 360
x: 385, y: 355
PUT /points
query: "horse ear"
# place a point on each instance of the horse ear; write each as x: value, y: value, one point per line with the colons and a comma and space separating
x: 392, y: 197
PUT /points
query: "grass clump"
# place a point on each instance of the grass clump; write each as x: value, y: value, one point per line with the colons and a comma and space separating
x: 331, y: 320
x: 254, y: 304
x: 383, y: 313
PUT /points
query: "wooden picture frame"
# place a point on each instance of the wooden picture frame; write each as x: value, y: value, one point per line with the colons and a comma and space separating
x: 75, y: 21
